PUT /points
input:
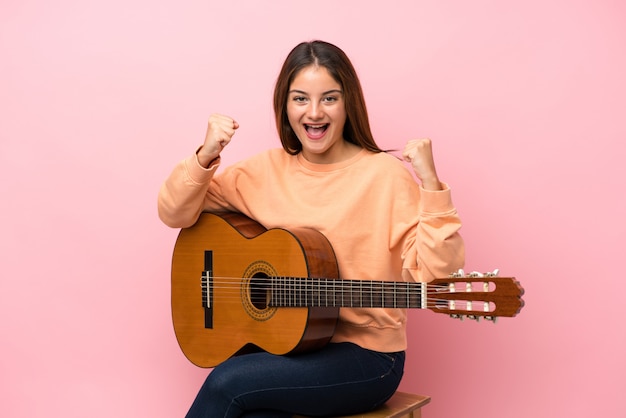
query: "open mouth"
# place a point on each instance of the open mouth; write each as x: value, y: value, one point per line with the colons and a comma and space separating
x: 317, y: 130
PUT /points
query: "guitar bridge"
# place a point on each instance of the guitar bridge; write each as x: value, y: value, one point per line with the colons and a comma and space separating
x: 206, y: 284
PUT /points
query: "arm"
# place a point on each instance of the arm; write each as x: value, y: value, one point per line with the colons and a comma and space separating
x: 182, y: 195
x: 437, y: 247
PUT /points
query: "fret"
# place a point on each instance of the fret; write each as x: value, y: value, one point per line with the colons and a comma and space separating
x: 366, y: 293
x: 395, y: 295
x: 407, y: 301
x: 343, y: 293
x: 275, y: 289
x: 357, y: 297
x: 281, y: 300
x: 351, y: 297
x: 318, y: 292
x: 311, y: 292
x: 283, y: 295
x: 328, y: 290
x: 330, y: 295
x: 297, y: 291
x: 306, y: 293
x: 387, y: 295
x: 377, y: 294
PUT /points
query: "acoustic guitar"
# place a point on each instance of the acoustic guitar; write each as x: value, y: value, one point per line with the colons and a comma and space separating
x: 238, y: 287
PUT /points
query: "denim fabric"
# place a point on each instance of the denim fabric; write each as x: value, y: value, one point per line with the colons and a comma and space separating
x: 339, y: 379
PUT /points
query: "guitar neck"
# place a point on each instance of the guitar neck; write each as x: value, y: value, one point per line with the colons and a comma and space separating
x: 320, y: 292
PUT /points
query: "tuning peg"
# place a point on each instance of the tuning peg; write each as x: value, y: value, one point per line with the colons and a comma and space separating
x: 474, y: 317
x: 457, y: 316
x: 491, y: 318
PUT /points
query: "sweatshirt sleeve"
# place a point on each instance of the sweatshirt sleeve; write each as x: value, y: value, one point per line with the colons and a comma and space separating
x: 437, y: 249
x: 181, y: 197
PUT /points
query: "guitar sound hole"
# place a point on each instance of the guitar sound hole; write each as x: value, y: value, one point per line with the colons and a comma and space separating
x: 259, y: 291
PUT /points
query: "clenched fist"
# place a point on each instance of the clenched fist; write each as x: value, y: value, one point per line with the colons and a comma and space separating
x: 218, y: 134
x: 419, y: 152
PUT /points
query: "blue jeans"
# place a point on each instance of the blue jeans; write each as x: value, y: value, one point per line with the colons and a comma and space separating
x: 339, y: 379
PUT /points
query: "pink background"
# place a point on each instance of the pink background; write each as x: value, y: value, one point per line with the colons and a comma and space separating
x: 525, y: 103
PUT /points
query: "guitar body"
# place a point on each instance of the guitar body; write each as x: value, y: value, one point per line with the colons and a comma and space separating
x: 237, y: 255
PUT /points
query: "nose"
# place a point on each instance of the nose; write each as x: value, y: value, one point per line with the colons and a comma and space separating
x: 315, y: 111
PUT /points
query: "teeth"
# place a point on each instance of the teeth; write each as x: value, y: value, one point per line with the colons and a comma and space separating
x: 316, y: 127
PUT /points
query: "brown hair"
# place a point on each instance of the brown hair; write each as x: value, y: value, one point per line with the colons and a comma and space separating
x: 319, y: 53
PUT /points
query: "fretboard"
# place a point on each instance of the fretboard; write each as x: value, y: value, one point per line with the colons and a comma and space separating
x: 314, y: 292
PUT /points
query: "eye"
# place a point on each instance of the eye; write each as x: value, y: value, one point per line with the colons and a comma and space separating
x: 299, y: 99
x: 330, y: 99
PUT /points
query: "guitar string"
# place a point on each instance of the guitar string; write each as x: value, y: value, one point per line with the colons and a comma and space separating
x: 229, y: 279
x: 341, y: 284
x: 231, y: 287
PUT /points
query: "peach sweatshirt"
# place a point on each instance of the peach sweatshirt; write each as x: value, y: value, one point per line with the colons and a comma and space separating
x: 381, y: 224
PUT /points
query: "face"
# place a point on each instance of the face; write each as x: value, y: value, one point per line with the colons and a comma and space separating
x: 317, y: 114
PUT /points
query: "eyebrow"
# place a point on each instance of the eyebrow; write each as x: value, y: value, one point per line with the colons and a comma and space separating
x: 323, y: 94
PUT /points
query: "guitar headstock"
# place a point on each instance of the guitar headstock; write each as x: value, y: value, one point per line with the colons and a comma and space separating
x: 475, y: 295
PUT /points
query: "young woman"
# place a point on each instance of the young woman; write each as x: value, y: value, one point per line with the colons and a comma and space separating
x: 331, y: 176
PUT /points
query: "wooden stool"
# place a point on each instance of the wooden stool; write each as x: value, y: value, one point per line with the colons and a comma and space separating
x: 401, y: 405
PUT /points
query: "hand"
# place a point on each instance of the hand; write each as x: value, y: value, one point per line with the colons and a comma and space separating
x: 218, y: 134
x: 419, y: 153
